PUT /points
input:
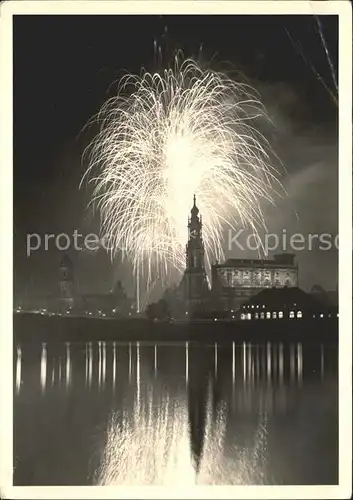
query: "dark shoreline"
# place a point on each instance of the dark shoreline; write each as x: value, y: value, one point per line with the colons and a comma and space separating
x: 38, y: 328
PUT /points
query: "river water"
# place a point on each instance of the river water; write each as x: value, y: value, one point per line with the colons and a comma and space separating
x: 161, y: 414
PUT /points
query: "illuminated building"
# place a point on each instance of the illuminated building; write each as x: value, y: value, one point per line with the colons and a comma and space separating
x: 236, y: 280
x: 288, y: 303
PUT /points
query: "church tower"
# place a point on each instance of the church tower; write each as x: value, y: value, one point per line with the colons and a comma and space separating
x: 66, y: 282
x: 196, y: 286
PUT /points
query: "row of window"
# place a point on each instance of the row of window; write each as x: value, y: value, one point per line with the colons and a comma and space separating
x: 279, y: 315
x: 269, y: 315
x: 248, y: 306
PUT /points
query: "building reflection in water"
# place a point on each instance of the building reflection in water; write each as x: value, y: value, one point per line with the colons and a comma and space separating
x: 170, y: 435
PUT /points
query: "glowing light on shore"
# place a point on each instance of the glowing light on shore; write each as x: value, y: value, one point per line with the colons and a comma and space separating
x: 165, y: 137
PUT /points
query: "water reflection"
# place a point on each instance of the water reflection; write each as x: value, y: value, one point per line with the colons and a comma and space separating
x: 130, y: 363
x: 183, y: 414
x: 18, y: 370
x: 68, y: 365
x: 43, y: 368
x: 277, y: 364
x: 90, y: 365
x: 114, y: 365
x: 233, y: 362
x: 322, y: 364
x: 155, y: 361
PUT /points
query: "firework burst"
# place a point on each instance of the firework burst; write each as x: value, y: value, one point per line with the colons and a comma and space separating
x: 165, y: 137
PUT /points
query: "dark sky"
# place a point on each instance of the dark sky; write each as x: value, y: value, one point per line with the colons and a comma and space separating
x: 63, y: 67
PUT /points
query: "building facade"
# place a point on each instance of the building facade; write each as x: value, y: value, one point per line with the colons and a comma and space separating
x: 114, y: 303
x: 66, y: 299
x: 236, y: 280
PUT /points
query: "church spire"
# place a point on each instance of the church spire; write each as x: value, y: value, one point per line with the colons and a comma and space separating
x: 194, y: 210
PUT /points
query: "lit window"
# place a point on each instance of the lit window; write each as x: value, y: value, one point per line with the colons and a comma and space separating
x: 337, y: 315
x: 274, y: 315
x: 252, y: 306
x: 263, y: 307
x: 256, y: 315
x: 299, y: 314
x: 321, y: 315
x: 280, y: 314
x: 268, y: 315
x: 291, y: 314
x: 262, y: 315
x: 249, y: 316
x: 242, y: 316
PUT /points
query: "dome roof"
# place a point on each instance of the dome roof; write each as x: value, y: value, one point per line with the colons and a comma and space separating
x: 66, y: 261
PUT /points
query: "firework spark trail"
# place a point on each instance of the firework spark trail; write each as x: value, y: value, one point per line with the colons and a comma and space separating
x: 300, y: 50
x: 165, y: 137
x: 323, y: 41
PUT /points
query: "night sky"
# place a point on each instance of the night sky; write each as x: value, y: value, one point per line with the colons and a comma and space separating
x: 63, y: 67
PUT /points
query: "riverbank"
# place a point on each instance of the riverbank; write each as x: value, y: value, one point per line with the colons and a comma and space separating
x: 40, y: 328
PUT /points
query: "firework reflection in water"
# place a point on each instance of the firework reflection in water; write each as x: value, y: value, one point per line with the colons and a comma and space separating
x: 152, y: 447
